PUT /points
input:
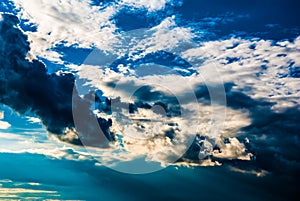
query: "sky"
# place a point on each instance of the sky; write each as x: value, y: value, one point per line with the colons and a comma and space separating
x: 144, y: 100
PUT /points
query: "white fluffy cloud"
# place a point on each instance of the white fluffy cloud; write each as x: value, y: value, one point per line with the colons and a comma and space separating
x: 232, y: 150
x: 71, y: 22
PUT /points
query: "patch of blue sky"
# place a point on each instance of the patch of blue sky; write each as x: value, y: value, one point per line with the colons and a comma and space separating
x: 27, y: 26
x: 7, y: 6
x: 253, y: 24
x: 18, y: 122
x: 53, y: 67
x: 72, y: 54
x: 128, y: 19
x: 23, y: 132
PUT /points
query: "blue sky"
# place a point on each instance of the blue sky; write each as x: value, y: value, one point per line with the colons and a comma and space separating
x: 202, y: 97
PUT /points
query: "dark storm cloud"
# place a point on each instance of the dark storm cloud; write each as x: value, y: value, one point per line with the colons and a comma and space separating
x: 234, y: 99
x: 275, y: 139
x: 274, y: 136
x: 145, y: 98
x: 26, y: 86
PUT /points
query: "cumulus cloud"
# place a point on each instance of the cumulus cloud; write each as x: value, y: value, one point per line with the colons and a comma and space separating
x: 232, y: 149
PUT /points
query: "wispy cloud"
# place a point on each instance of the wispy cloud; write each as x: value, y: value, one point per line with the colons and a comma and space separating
x: 13, y: 190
